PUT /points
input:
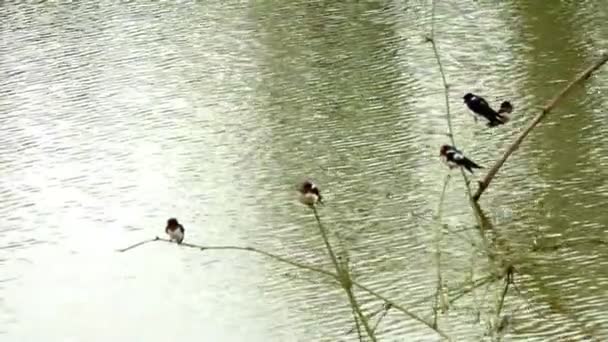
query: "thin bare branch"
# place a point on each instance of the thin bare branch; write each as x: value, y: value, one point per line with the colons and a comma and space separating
x: 369, y: 316
x: 446, y: 95
x: 137, y: 244
x: 248, y: 249
x: 508, y: 280
x: 446, y: 87
x: 483, y: 185
x: 475, y: 285
x: 400, y: 308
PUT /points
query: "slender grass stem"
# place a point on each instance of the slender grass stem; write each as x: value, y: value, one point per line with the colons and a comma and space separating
x: 446, y: 95
x: 344, y: 278
x: 438, y: 238
x: 508, y: 282
x: 446, y: 87
x: 356, y: 319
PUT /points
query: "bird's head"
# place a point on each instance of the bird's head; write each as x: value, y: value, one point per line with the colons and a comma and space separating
x: 172, y: 222
x: 306, y: 186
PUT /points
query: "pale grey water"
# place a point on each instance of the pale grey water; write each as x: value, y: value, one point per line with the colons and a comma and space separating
x: 118, y: 115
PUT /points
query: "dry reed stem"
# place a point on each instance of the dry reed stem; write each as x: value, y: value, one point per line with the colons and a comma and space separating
x: 483, y: 185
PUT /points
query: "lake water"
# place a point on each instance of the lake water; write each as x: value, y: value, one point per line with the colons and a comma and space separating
x: 116, y: 115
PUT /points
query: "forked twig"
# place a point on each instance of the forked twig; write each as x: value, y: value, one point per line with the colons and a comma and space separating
x: 386, y: 308
x: 400, y: 308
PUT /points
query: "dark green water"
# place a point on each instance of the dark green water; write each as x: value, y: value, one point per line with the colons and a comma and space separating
x: 117, y: 115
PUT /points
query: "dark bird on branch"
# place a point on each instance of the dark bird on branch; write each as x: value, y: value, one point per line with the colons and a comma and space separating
x: 309, y: 193
x: 480, y: 106
x: 175, y: 230
x: 454, y: 158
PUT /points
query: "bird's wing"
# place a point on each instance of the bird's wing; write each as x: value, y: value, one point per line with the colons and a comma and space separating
x: 483, y: 108
x: 482, y: 101
x: 181, y: 228
x: 455, y: 155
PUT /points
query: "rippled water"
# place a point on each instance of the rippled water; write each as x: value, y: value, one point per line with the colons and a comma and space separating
x: 117, y: 115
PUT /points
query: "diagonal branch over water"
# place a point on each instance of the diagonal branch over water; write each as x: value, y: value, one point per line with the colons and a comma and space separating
x: 583, y: 76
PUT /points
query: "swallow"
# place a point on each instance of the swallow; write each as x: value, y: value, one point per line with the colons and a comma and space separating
x: 454, y: 158
x: 309, y: 193
x: 175, y: 230
x: 480, y: 106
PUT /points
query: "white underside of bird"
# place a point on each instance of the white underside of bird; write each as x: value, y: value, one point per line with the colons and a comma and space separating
x: 450, y: 163
x: 176, y: 235
x: 309, y: 198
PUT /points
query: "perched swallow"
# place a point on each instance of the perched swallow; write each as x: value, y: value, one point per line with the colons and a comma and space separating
x: 175, y: 230
x: 479, y: 106
x: 454, y: 158
x: 309, y: 193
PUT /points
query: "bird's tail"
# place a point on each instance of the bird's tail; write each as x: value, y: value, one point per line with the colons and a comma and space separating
x: 505, y: 107
x: 470, y: 165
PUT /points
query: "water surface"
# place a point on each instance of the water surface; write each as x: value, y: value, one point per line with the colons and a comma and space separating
x: 116, y: 116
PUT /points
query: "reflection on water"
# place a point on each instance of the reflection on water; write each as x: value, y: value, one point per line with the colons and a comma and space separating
x: 116, y: 117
